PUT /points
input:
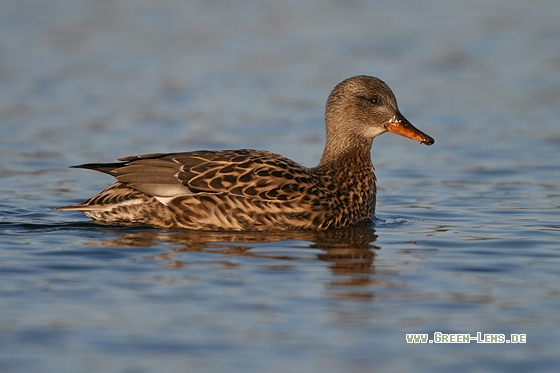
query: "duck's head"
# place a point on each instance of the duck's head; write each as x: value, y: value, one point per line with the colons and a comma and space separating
x: 365, y: 107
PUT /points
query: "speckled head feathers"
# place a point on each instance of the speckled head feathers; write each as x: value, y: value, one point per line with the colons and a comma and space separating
x: 359, y: 109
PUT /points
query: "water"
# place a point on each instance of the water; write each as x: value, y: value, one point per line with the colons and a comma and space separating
x: 468, y: 229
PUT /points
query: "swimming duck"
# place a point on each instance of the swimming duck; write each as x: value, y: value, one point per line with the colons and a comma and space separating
x: 252, y: 190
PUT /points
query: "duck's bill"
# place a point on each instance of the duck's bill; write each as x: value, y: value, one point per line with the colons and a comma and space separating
x: 401, y: 126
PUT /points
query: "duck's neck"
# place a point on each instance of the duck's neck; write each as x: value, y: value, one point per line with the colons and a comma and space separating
x: 349, y: 171
x: 346, y: 153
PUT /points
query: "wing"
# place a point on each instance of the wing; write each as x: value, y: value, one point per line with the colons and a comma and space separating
x: 249, y: 173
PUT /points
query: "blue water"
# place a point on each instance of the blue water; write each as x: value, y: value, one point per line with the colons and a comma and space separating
x: 468, y: 230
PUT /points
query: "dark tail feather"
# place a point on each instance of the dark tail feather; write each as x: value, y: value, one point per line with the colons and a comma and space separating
x: 107, y: 168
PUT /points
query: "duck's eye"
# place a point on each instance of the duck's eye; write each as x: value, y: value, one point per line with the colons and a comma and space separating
x: 372, y: 99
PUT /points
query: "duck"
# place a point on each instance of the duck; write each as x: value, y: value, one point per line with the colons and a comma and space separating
x: 258, y: 190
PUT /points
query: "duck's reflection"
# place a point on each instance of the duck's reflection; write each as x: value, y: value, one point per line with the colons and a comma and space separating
x: 350, y: 251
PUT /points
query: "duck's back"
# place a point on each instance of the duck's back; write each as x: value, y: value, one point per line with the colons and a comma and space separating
x: 230, y: 189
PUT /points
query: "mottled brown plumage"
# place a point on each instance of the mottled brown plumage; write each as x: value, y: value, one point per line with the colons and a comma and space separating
x: 256, y: 189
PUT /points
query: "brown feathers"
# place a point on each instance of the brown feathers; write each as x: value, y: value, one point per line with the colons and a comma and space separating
x: 256, y: 189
